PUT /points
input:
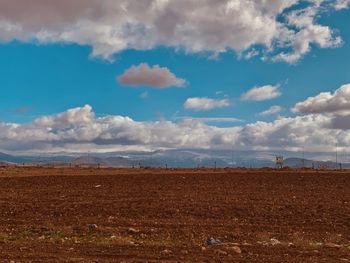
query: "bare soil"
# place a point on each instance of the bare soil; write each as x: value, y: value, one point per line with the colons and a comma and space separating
x: 154, y: 215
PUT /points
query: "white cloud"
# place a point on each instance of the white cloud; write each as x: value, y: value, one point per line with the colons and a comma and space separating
x: 80, y: 130
x: 267, y: 92
x: 205, y: 103
x: 111, y: 26
x: 301, y: 43
x: 76, y: 128
x: 308, y: 32
x: 315, y: 132
x: 155, y: 77
x: 341, y: 4
x: 144, y: 95
x: 326, y: 102
x: 272, y: 110
x: 251, y: 53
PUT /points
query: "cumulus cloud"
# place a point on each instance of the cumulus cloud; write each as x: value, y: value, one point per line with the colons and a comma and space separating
x: 155, y: 77
x: 272, y: 110
x: 326, y: 102
x: 79, y: 129
x: 205, y: 103
x: 307, y: 32
x: 341, y: 4
x: 312, y: 131
x: 111, y: 26
x: 267, y: 92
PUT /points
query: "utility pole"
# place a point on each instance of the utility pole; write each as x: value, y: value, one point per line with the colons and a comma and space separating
x: 232, y: 156
x: 336, y: 156
x: 303, y: 160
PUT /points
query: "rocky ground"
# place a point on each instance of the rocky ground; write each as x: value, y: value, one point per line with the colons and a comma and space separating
x: 121, y: 215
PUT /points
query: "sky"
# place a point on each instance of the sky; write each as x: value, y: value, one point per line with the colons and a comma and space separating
x: 91, y: 75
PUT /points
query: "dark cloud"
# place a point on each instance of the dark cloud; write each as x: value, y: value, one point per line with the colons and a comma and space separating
x: 154, y: 77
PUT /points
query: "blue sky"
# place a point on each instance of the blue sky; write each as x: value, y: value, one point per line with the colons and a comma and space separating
x: 47, y: 77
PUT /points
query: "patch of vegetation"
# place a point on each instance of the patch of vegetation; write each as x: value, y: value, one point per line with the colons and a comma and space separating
x: 314, y: 245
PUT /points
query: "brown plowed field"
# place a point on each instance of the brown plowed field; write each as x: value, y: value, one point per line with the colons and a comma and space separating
x: 48, y: 215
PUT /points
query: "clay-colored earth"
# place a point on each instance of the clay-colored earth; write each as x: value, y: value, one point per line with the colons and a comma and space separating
x: 123, y: 215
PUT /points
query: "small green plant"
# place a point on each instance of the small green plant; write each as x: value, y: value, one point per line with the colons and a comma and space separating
x: 314, y: 245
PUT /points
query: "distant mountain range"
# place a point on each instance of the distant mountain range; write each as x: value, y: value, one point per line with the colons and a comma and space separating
x: 4, y: 163
x: 174, y: 158
x: 6, y: 158
x: 299, y: 162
